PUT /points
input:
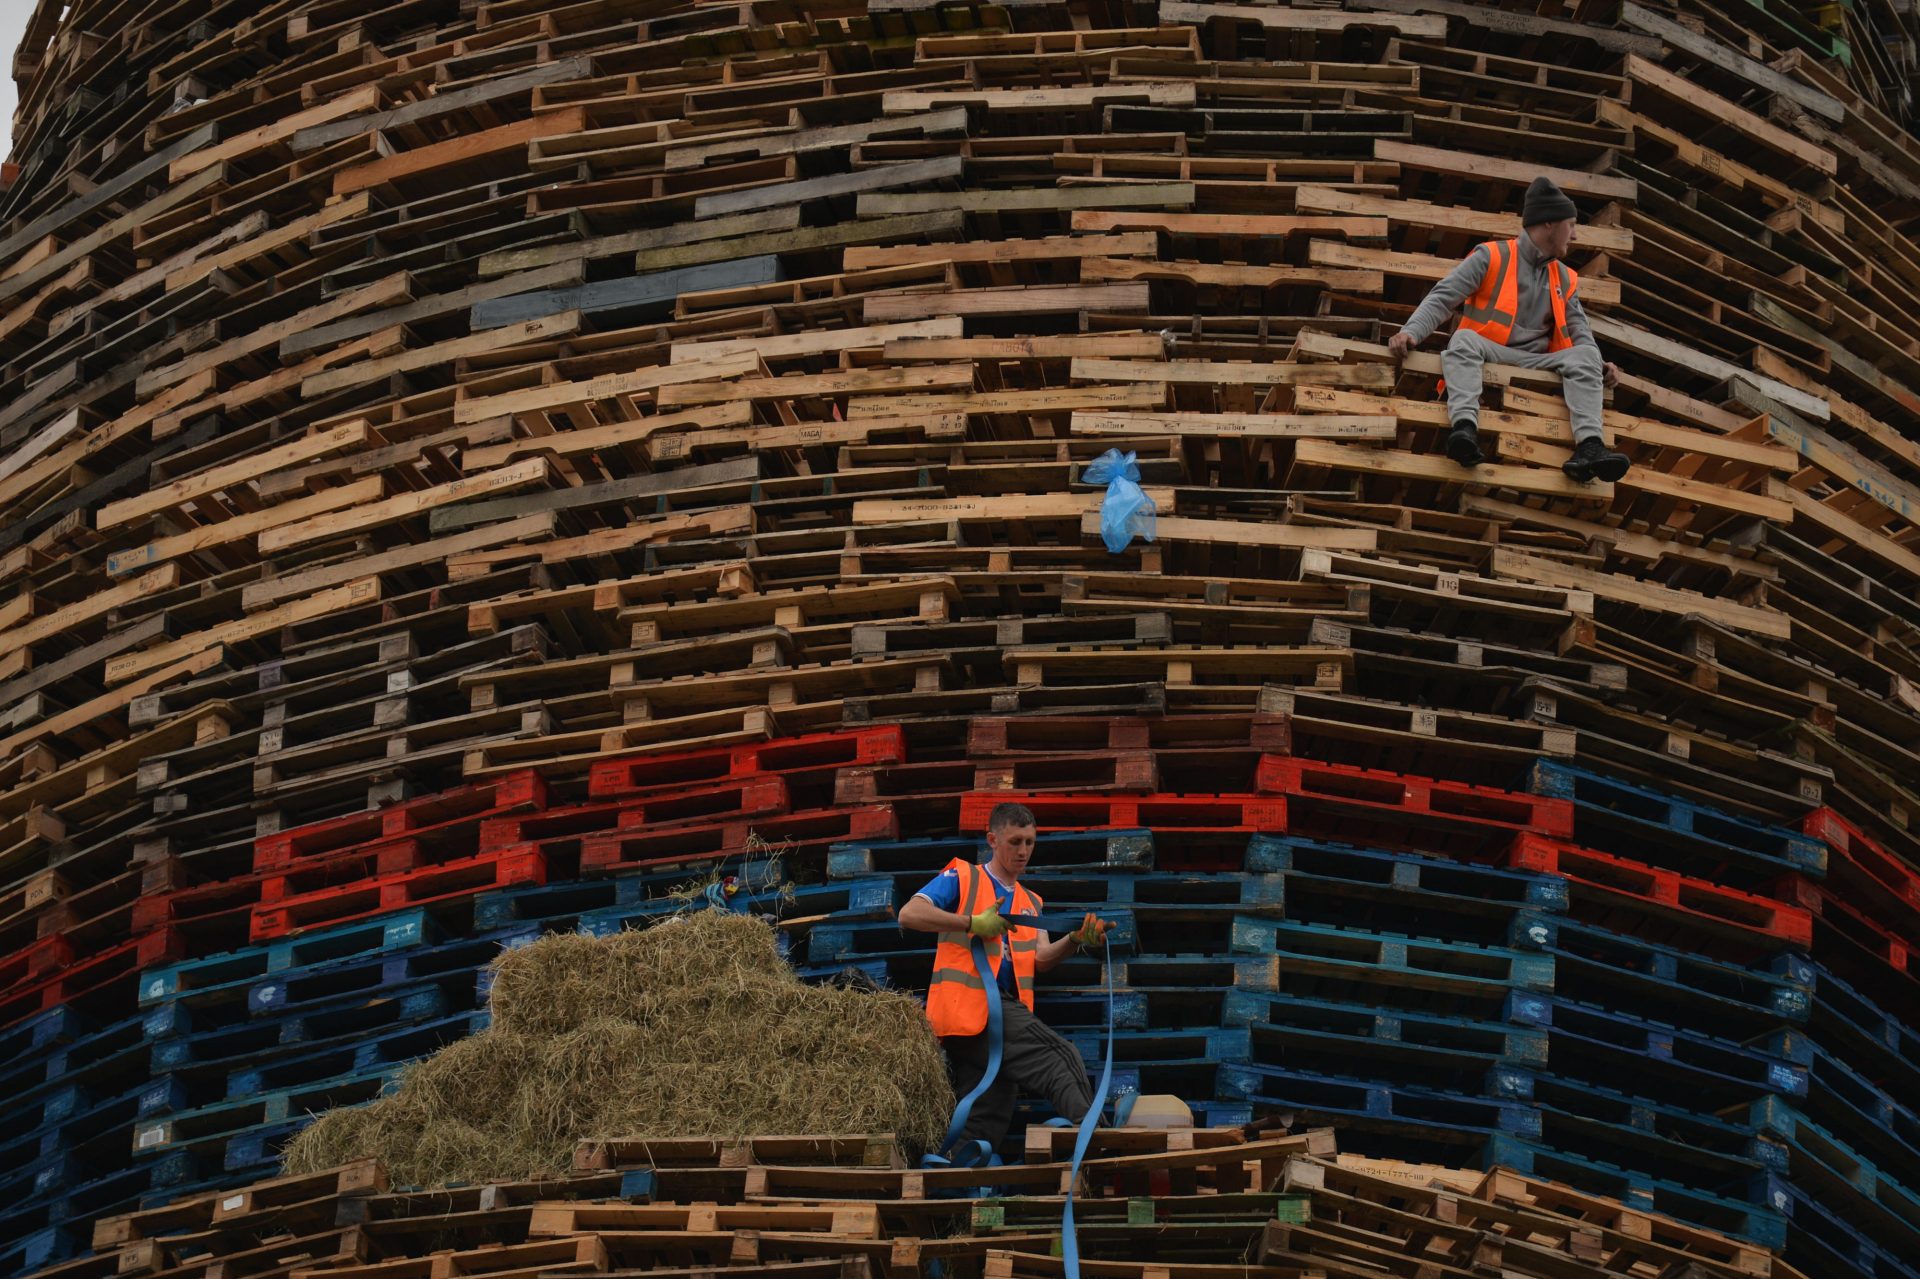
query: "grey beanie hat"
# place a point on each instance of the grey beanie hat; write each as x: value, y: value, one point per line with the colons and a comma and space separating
x: 1545, y: 203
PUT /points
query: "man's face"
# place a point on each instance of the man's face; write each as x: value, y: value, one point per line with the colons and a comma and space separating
x: 1553, y: 239
x: 1012, y: 848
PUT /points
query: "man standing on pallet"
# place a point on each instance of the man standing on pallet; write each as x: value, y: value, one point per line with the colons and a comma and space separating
x: 1520, y: 305
x: 966, y: 901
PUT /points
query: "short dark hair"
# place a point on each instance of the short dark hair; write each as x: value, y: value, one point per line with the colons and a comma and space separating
x: 1009, y: 814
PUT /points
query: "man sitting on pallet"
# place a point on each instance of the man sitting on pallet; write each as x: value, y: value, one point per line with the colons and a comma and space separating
x: 1521, y: 306
x: 966, y: 901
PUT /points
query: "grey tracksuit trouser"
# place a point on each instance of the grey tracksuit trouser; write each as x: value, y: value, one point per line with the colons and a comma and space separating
x: 1579, y: 367
x: 1033, y: 1057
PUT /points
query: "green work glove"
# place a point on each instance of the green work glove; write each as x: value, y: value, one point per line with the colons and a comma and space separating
x: 987, y: 924
x: 1092, y: 931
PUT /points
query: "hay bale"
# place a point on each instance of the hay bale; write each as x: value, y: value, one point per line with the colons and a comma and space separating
x: 694, y: 1027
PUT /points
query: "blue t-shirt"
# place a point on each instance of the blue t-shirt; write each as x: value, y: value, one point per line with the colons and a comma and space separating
x: 944, y: 892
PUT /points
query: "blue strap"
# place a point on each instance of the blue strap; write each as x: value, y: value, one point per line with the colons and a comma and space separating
x: 976, y: 1153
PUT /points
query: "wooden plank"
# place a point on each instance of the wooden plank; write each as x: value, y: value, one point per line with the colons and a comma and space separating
x: 1848, y: 465
x: 1636, y: 546
x: 1641, y: 479
x: 1672, y: 352
x: 1094, y: 221
x: 1508, y: 22
x: 933, y: 426
x: 753, y: 144
x: 1441, y: 470
x: 718, y: 522
x: 881, y: 177
x: 1175, y: 528
x: 509, y: 261
x: 114, y: 230
x: 467, y: 96
x: 525, y: 530
x: 608, y: 386
x: 346, y: 436
x: 532, y: 470
x: 738, y: 473
x: 1834, y: 524
x: 1722, y: 168
x: 48, y: 674
x: 74, y: 211
x: 93, y: 712
x: 1147, y: 395
x: 457, y: 150
x: 654, y: 291
x: 875, y: 381
x: 89, y: 609
x: 1234, y: 275
x: 1065, y: 98
x: 783, y: 346
x: 1260, y: 426
x: 352, y: 102
x: 1709, y: 50
x: 1647, y: 595
x: 1129, y: 195
x: 241, y: 527
x: 556, y: 276
x: 1465, y: 164
x: 947, y: 225
x: 361, y: 372
x: 1012, y: 506
x: 1281, y: 18
x: 867, y: 257
x: 1136, y: 346
x: 1441, y: 217
x: 1233, y: 373
x: 882, y: 308
x: 128, y: 666
x: 637, y: 432
x: 1761, y: 132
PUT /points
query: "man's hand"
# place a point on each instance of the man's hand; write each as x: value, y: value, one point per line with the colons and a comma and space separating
x: 1401, y: 345
x: 1092, y: 931
x: 988, y: 924
x: 1610, y: 375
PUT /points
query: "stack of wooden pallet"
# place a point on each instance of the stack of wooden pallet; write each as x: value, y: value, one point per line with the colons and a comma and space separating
x: 1150, y: 1204
x: 467, y: 469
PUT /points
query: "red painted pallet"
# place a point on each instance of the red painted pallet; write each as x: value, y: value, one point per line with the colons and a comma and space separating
x: 662, y: 847
x: 749, y: 796
x: 1874, y: 878
x: 1899, y: 951
x: 447, y: 810
x: 108, y: 976
x: 639, y: 774
x: 352, y: 866
x: 347, y: 902
x: 1330, y: 798
x: 1618, y: 881
x: 1249, y: 813
x: 1053, y: 735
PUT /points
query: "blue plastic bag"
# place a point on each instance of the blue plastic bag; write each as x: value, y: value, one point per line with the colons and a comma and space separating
x: 1127, y: 510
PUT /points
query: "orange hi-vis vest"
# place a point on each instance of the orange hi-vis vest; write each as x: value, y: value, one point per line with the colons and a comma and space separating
x: 1491, y: 309
x: 956, y: 999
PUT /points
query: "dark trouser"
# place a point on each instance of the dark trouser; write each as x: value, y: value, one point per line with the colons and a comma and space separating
x: 1033, y: 1057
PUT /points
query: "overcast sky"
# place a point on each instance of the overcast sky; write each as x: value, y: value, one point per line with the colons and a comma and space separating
x: 13, y: 20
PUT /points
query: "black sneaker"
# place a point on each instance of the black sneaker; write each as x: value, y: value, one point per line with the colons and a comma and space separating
x: 1593, y: 460
x: 1463, y: 444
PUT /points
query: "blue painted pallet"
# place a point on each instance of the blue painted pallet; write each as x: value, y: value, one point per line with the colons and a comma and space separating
x: 37, y: 1249
x: 1599, y: 1045
x: 1053, y: 851
x: 1678, y: 1142
x: 1665, y: 830
x: 1445, y: 1116
x: 1821, y: 1241
x: 1875, y: 1201
x: 239, y: 968
x: 395, y: 1048
x: 1356, y: 1040
x: 1863, y: 1114
x: 1075, y: 1008
x: 568, y: 900
x: 104, y: 1063
x: 326, y: 1023
x: 1174, y: 894
x: 1733, y: 1000
x: 31, y: 1039
x: 90, y: 1137
x: 1135, y: 1048
x: 832, y: 942
x: 189, y: 1142
x: 1856, y: 1030
x: 1341, y: 884
x: 1748, y: 1217
x: 870, y: 898
x: 1315, y: 960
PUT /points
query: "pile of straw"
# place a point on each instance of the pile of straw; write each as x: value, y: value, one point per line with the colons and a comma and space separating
x: 693, y: 1027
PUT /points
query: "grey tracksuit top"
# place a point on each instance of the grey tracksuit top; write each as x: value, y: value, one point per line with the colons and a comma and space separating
x: 1533, y: 309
